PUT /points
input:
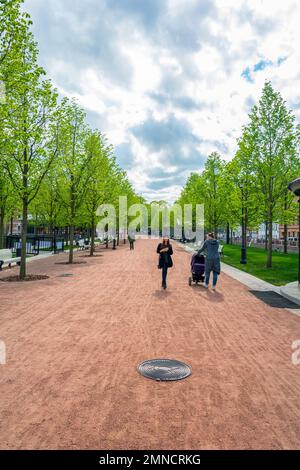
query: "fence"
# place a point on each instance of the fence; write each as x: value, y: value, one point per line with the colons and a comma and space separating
x: 277, y: 245
x: 36, y: 244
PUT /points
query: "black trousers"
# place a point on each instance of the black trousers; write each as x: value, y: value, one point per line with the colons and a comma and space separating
x: 132, y: 245
x: 164, y: 275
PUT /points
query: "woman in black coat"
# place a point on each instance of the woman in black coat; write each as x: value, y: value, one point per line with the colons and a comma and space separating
x: 165, y: 252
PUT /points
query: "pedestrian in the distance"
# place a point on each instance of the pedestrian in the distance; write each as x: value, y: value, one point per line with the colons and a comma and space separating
x: 165, y: 262
x: 131, y: 242
x: 212, y: 259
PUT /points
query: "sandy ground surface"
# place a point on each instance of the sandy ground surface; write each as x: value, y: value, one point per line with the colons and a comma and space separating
x: 73, y: 346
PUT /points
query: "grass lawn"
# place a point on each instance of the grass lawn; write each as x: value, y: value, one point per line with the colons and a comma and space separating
x: 284, y: 270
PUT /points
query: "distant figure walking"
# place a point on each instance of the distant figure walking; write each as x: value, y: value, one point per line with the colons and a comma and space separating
x: 212, y: 259
x: 165, y: 262
x: 131, y: 242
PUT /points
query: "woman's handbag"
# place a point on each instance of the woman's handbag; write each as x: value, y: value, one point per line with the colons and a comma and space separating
x: 159, y: 266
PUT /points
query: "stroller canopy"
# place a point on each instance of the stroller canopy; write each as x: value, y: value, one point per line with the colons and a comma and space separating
x: 198, y: 259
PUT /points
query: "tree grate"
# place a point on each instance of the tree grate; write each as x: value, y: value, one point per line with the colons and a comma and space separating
x: 273, y: 299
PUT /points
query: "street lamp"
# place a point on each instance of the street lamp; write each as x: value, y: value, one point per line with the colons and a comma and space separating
x: 294, y: 186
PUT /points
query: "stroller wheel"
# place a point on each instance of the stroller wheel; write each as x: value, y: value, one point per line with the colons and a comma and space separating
x: 190, y: 281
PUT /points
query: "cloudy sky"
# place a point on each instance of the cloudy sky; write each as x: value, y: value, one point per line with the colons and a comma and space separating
x: 169, y: 81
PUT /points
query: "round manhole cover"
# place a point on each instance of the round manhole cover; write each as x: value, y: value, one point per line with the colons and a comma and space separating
x: 164, y: 369
x: 66, y: 275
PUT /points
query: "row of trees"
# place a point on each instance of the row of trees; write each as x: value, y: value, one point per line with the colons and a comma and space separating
x: 52, y: 164
x: 252, y: 189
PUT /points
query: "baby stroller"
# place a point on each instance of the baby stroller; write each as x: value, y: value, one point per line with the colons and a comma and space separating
x: 197, y: 269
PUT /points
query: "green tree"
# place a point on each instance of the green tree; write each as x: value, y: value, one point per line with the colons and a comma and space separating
x: 47, y: 209
x: 273, y: 135
x: 214, y: 192
x: 74, y: 162
x: 13, y: 27
x: 101, y: 183
x: 8, y: 202
x: 243, y: 201
x: 26, y: 146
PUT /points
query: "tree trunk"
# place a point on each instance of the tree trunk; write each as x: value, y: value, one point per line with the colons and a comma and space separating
x: 24, y: 238
x: 71, y: 252
x: 2, y: 229
x: 270, y: 243
x: 51, y: 234
x: 246, y: 223
x: 228, y: 234
x: 285, y: 238
x: 285, y: 229
x: 72, y: 227
x: 24, y: 218
x: 92, y: 251
x: 266, y: 236
x: 244, y: 241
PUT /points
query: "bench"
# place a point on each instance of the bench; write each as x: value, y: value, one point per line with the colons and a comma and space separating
x: 83, y: 245
x: 6, y: 258
x: 80, y: 244
x: 87, y: 245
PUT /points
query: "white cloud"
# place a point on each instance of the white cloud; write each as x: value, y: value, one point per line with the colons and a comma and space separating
x: 128, y: 66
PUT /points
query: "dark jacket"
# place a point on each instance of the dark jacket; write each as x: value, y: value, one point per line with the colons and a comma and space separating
x: 165, y: 258
x: 212, y: 256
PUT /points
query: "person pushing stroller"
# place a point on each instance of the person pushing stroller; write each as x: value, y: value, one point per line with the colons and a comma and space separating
x: 212, y: 259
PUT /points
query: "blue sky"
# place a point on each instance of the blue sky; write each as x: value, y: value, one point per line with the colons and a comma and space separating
x: 169, y: 81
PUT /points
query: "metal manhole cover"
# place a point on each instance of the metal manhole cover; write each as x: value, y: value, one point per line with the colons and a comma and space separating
x: 164, y: 369
x: 65, y: 275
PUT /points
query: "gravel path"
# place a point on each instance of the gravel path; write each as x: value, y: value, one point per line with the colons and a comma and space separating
x: 73, y: 345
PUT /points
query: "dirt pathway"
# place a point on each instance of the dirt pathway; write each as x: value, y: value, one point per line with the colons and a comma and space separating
x: 73, y: 345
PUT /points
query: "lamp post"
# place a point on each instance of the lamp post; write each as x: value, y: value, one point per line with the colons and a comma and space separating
x: 294, y: 187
